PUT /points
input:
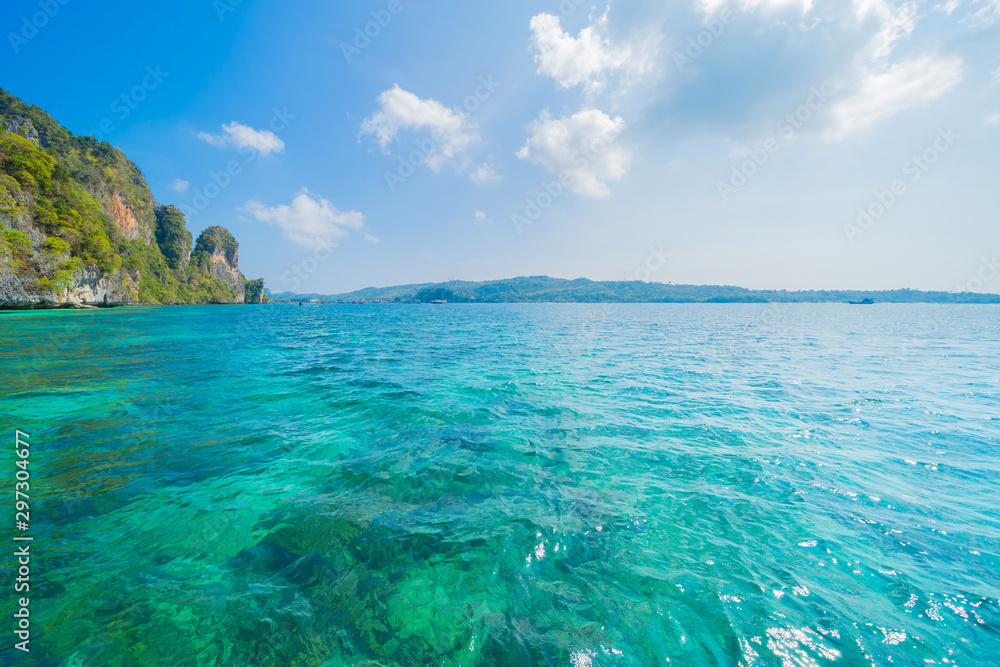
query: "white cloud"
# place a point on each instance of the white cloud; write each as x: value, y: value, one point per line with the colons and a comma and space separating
x: 991, y: 117
x: 485, y: 174
x: 580, y: 150
x: 179, y: 185
x: 712, y: 6
x: 482, y: 218
x: 236, y: 135
x: 584, y: 60
x: 451, y: 131
x: 905, y: 85
x: 895, y: 23
x: 372, y: 239
x: 948, y: 7
x: 309, y: 221
x: 986, y: 15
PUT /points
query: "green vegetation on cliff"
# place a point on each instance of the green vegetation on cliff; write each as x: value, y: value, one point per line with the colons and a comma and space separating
x: 254, y: 291
x: 210, y: 240
x: 172, y: 236
x: 70, y: 203
x: 33, y: 182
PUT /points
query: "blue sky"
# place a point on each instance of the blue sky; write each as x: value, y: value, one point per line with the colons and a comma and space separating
x: 767, y: 143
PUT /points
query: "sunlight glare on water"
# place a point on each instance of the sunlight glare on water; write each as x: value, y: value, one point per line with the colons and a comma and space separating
x: 575, y: 485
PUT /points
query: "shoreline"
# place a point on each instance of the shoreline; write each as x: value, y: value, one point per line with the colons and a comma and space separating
x: 124, y: 306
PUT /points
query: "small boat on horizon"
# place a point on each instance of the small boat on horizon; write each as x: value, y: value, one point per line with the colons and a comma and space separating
x: 863, y: 302
x: 439, y: 301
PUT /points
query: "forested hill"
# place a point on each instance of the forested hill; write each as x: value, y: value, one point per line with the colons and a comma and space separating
x: 79, y: 226
x: 545, y: 289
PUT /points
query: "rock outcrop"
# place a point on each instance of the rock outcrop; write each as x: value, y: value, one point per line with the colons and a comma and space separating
x: 254, y: 291
x: 38, y: 268
x: 218, y: 253
x: 173, y: 237
x: 21, y: 126
x: 124, y: 219
x: 79, y: 225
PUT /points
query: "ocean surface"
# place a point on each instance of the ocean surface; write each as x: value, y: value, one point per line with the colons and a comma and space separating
x: 575, y: 485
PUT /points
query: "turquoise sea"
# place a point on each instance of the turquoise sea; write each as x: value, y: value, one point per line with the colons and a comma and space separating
x: 575, y: 485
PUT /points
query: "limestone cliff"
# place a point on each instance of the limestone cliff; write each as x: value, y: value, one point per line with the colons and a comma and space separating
x: 218, y: 253
x: 79, y: 225
x: 124, y: 219
x: 22, y: 127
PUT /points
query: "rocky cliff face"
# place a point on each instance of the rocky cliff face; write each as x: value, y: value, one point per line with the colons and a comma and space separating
x: 21, y: 126
x: 88, y: 286
x: 124, y: 219
x: 38, y: 270
x: 79, y: 225
x: 217, y: 252
x: 254, y: 291
x: 27, y: 256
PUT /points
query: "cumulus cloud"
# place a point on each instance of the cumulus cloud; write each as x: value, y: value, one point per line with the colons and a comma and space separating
x: 309, y: 221
x: 372, y: 239
x: 580, y: 150
x: 485, y: 174
x: 584, y: 60
x: 907, y: 84
x: 482, y: 218
x: 236, y: 135
x: 179, y: 185
x: 451, y: 132
x: 991, y: 117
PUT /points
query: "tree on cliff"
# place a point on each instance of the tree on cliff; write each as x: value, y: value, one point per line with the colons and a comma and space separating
x: 172, y: 236
x: 59, y: 197
x: 254, y: 291
x: 212, y: 240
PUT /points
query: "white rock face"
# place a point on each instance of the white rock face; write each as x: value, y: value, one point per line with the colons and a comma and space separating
x: 90, y: 285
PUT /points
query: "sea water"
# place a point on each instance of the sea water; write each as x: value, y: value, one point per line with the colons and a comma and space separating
x: 530, y: 484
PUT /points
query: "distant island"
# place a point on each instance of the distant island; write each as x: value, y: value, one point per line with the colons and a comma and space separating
x: 79, y: 227
x: 543, y: 289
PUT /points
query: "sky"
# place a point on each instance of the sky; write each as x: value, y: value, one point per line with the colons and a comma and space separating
x: 771, y: 144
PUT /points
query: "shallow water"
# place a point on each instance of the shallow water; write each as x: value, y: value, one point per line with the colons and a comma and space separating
x: 509, y: 485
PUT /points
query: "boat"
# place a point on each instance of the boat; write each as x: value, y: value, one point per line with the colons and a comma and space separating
x: 863, y: 302
x: 439, y: 301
